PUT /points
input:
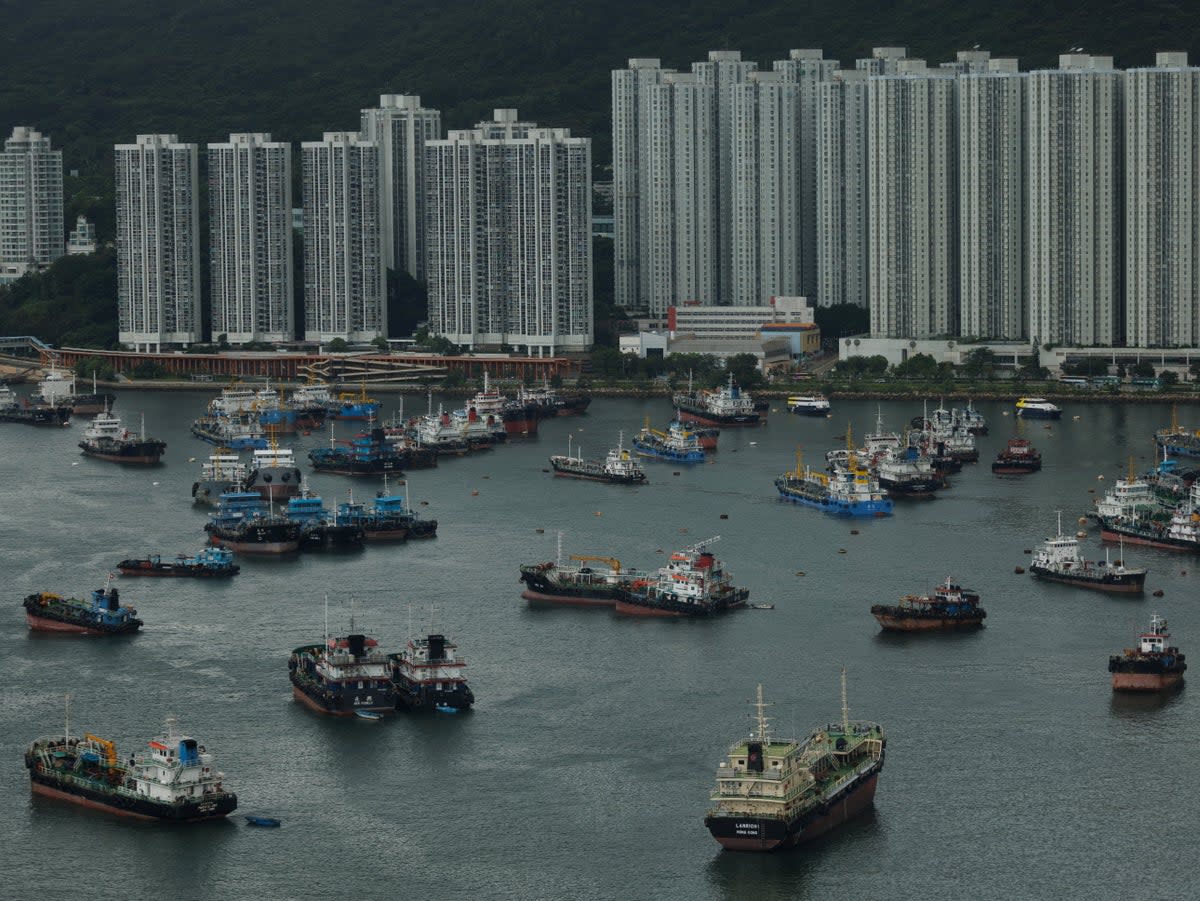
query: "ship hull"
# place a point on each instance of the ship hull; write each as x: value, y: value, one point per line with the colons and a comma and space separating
x: 913, y: 489
x: 762, y: 834
x: 629, y: 604
x: 1107, y: 533
x: 741, y: 420
x: 210, y: 491
x: 1127, y: 583
x: 568, y: 473
x: 1015, y: 469
x: 50, y: 416
x: 1146, y: 682
x: 133, y: 808
x: 175, y: 570
x: 840, y: 508
x: 569, y: 600
x: 92, y: 403
x: 1026, y: 413
x: 890, y: 623
x: 46, y: 624
x: 653, y: 453
x: 364, y: 469
x: 146, y: 458
x: 815, y: 412
x: 275, y: 483
x: 240, y: 546
x: 317, y: 707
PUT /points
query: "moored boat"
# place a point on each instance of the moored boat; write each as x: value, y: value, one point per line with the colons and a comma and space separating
x: 342, y: 675
x: 618, y: 466
x: 106, y: 439
x: 777, y: 793
x: 809, y: 404
x: 223, y: 472
x: 354, y: 406
x: 676, y: 445
x: 1059, y: 560
x: 243, y: 522
x: 57, y: 388
x: 851, y: 490
x: 949, y: 607
x: 576, y: 584
x: 1037, y: 408
x: 1178, y: 441
x: 1018, y: 458
x: 237, y: 433
x: 321, y: 529
x: 273, y: 473
x: 723, y: 407
x: 692, y: 584
x: 102, y: 614
x: 1153, y: 665
x: 210, y: 562
x: 175, y: 782
x: 14, y: 409
x: 428, y: 675
x: 365, y: 454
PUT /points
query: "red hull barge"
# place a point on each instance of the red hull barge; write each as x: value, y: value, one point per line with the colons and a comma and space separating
x: 568, y: 600
x: 41, y: 624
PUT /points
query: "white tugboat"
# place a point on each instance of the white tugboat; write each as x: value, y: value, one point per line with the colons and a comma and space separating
x: 619, y: 466
x: 106, y: 439
x: 1059, y: 560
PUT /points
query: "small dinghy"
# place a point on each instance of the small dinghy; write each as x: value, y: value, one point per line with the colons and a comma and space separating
x: 266, y: 822
x: 368, y: 715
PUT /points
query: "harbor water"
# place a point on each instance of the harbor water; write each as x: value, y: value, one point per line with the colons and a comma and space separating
x: 584, y: 770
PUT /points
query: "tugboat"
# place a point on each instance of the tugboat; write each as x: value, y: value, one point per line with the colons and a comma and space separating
x: 576, y: 584
x: 366, y: 454
x: 1019, y: 458
x: 244, y: 523
x: 1152, y: 666
x: 350, y: 405
x: 619, y: 466
x: 342, y: 676
x: 950, y: 607
x: 320, y: 529
x: 105, y: 439
x: 1037, y: 408
x: 175, y: 782
x: 692, y: 584
x: 102, y: 615
x: 223, y: 472
x: 722, y: 407
x: 1059, y: 560
x: 676, y: 445
x: 211, y: 562
x: 428, y: 675
x: 14, y: 410
x: 809, y: 404
x: 273, y: 473
x: 778, y: 793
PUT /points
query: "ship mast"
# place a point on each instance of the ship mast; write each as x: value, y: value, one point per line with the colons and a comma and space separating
x: 558, y: 561
x: 67, y: 718
x: 845, y: 706
x: 1060, y: 534
x: 760, y: 707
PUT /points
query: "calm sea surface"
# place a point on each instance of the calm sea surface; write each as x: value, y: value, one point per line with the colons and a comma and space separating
x: 585, y: 769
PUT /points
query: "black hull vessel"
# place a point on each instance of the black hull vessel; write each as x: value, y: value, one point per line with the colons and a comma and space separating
x: 1131, y: 582
x: 47, y: 416
x: 342, y: 677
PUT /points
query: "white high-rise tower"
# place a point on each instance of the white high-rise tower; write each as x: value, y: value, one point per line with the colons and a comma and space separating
x: 31, y: 203
x: 250, y: 238
x: 841, y: 219
x: 344, y: 288
x: 400, y: 126
x: 913, y: 203
x: 1162, y: 204
x: 991, y: 166
x: 1075, y: 198
x: 158, y: 246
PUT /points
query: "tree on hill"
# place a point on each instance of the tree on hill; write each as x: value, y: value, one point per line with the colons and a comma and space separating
x: 73, y: 303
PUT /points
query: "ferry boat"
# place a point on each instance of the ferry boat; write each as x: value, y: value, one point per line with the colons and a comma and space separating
x: 1037, y: 408
x: 210, y: 562
x: 341, y: 676
x: 1177, y: 441
x: 1019, y: 458
x: 428, y: 675
x: 778, y: 793
x: 676, y: 445
x: 1153, y: 665
x: 619, y: 466
x: 950, y: 607
x: 354, y: 405
x: 319, y: 528
x: 174, y: 782
x: 366, y: 454
x: 244, y: 523
x: 103, y: 614
x: 238, y: 433
x: 809, y: 404
x: 273, y: 473
x: 723, y: 407
x: 223, y: 472
x: 1059, y: 560
x: 14, y: 409
x: 106, y: 439
x: 693, y: 583
x: 57, y: 389
x: 576, y: 584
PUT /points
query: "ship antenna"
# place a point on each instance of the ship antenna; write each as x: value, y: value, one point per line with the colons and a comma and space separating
x: 67, y: 718
x: 143, y: 426
x: 559, y: 561
x: 410, y: 631
x: 327, y: 620
x: 845, y: 706
x: 760, y: 706
x: 1060, y: 534
x: 1130, y: 476
x: 621, y: 440
x: 430, y: 397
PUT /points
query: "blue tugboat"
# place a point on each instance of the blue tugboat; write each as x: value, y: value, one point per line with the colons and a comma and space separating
x: 367, y: 454
x: 850, y: 491
x: 354, y: 406
x: 389, y: 518
x: 676, y: 445
x: 102, y: 615
x: 320, y: 529
x: 211, y: 562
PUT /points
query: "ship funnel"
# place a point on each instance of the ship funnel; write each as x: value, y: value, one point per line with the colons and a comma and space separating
x: 437, y: 647
x: 754, y: 757
x: 187, y: 752
x: 114, y: 600
x: 356, y: 644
